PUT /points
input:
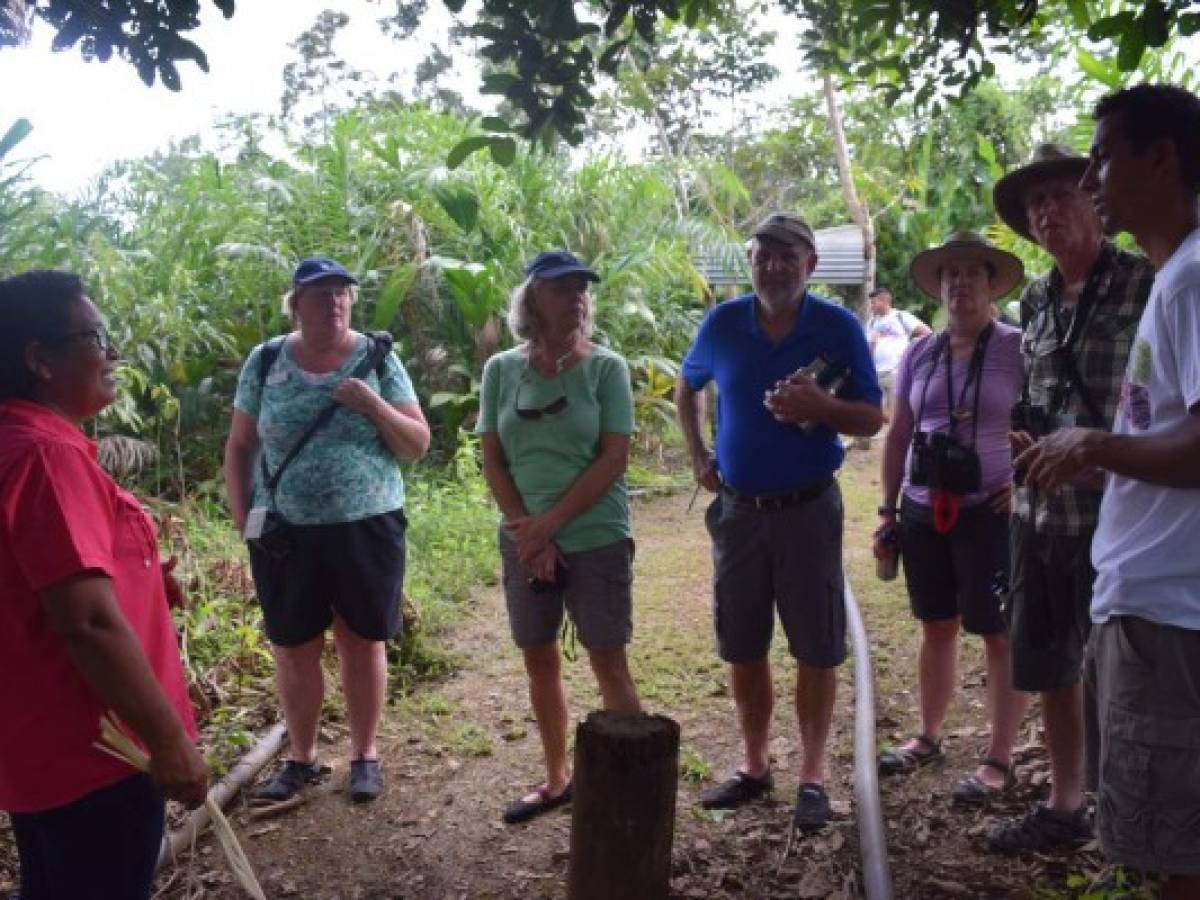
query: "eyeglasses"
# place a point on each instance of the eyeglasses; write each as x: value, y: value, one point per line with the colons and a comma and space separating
x: 553, y: 408
x: 98, y: 335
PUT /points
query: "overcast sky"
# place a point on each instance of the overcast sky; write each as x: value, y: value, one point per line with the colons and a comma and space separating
x: 87, y: 114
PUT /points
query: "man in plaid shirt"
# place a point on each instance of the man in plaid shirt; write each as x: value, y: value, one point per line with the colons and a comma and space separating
x: 1080, y: 320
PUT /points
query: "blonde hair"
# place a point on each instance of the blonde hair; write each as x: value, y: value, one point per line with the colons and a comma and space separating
x: 523, y: 322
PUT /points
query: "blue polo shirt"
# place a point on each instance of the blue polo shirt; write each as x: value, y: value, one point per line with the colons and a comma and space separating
x: 755, y: 453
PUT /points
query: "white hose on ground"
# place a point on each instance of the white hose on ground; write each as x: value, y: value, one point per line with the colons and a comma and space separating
x: 877, y: 877
x: 175, y: 842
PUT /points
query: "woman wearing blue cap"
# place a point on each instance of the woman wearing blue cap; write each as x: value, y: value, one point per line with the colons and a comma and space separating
x: 555, y: 418
x: 320, y: 418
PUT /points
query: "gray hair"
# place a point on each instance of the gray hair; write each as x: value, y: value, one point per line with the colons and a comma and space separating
x: 520, y: 318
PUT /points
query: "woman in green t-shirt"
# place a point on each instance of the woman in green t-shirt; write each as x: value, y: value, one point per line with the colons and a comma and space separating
x: 555, y: 418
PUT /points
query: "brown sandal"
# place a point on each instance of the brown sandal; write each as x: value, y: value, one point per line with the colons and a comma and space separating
x: 972, y: 790
x: 903, y: 760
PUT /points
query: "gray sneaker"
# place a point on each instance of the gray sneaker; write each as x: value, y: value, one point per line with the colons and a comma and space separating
x: 812, y: 807
x: 1042, y: 828
x: 366, y: 780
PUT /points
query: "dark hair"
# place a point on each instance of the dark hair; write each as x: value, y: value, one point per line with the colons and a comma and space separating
x: 876, y: 291
x: 1153, y: 112
x: 34, y: 305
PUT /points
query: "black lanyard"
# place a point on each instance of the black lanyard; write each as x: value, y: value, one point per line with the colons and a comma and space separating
x: 974, y: 374
x: 1066, y: 368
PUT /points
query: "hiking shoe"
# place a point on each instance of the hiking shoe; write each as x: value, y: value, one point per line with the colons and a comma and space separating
x: 288, y: 781
x: 739, y: 789
x: 366, y: 780
x: 812, y: 807
x: 1042, y: 828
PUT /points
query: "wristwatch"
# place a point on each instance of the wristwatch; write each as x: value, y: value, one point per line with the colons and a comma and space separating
x: 887, y: 510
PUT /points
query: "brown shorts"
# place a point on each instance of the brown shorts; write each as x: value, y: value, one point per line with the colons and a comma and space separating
x: 1147, y: 679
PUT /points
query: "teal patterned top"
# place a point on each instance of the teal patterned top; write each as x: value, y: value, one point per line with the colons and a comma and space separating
x: 345, y: 472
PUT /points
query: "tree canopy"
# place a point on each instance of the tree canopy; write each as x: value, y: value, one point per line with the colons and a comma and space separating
x: 543, y: 56
x: 149, y: 35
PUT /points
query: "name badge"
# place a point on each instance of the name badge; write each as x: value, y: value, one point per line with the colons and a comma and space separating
x: 255, y: 520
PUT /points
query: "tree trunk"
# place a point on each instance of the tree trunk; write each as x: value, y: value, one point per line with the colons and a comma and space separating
x: 858, y: 209
x: 623, y: 817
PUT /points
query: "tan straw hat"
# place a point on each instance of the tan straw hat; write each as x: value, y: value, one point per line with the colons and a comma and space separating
x: 925, y: 269
x: 1049, y: 162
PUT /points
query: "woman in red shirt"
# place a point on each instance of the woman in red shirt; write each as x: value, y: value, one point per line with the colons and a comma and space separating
x: 84, y: 623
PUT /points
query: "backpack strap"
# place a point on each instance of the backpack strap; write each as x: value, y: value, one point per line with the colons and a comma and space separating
x: 271, y: 349
x: 267, y: 356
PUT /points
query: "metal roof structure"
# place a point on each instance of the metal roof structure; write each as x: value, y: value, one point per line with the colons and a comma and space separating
x: 840, y: 259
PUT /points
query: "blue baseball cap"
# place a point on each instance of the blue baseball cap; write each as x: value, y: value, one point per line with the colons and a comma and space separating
x: 558, y: 263
x: 316, y: 268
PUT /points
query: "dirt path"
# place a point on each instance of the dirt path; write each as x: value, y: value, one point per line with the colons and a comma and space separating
x: 456, y: 751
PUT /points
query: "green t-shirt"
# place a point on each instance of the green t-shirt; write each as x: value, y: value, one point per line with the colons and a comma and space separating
x: 545, y: 455
x: 345, y: 472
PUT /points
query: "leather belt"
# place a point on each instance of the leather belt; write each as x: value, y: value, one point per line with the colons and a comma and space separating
x: 781, y: 499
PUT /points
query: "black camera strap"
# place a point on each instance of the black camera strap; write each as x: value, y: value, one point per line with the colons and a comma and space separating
x: 381, y: 345
x: 1066, y: 337
x: 974, y: 374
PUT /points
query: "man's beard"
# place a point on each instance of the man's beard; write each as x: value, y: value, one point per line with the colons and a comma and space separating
x: 779, y: 295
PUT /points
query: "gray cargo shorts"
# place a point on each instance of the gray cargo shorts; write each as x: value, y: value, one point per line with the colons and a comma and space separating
x: 1147, y: 681
x: 788, y: 559
x: 598, y: 595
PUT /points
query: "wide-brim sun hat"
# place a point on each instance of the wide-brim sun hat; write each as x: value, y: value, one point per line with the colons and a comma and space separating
x: 558, y: 264
x: 925, y: 269
x: 1050, y: 162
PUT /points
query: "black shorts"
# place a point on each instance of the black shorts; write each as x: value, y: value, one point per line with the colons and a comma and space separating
x: 957, y: 574
x: 355, y: 569
x: 1049, y: 608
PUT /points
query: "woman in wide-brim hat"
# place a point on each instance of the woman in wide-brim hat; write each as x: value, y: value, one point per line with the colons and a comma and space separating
x: 947, y: 462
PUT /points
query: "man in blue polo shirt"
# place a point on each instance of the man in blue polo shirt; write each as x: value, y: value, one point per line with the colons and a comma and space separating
x: 776, y: 522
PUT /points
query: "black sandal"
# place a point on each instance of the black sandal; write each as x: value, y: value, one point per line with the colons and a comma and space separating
x: 904, y: 760
x: 522, y: 810
x: 735, y: 791
x: 972, y: 790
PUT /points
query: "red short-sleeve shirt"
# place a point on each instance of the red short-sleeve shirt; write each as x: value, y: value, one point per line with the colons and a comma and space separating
x: 61, y: 515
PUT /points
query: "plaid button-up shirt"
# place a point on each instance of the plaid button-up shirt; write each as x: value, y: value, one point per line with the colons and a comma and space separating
x: 1114, y: 296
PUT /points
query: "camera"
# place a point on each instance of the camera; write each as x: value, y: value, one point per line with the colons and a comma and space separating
x: 941, y: 463
x: 1032, y: 418
x: 542, y: 586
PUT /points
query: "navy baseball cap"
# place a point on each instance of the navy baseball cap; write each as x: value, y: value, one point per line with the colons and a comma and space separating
x: 315, y: 268
x: 556, y: 264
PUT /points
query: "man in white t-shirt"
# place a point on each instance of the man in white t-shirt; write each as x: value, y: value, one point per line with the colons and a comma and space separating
x: 889, y: 332
x: 1144, y: 178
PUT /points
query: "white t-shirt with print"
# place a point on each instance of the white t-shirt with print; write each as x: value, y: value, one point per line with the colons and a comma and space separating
x: 1147, y: 545
x: 891, y: 332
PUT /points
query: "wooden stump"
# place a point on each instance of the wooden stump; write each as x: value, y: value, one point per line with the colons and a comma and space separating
x: 623, y: 811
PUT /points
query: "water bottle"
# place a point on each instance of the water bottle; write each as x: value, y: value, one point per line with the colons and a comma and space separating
x: 888, y: 565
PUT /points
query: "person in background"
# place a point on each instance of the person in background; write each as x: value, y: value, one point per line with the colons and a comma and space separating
x: 947, y: 453
x: 556, y: 414
x: 1143, y: 175
x: 84, y: 623
x: 336, y: 553
x: 1083, y: 314
x: 776, y: 522
x: 889, y: 332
